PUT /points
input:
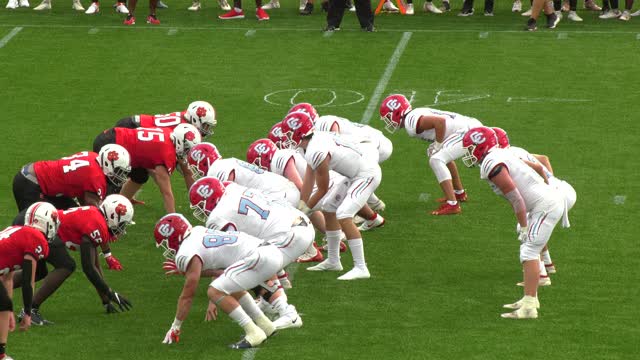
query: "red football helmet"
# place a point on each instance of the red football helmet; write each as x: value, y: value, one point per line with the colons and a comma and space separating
x: 503, y: 139
x: 275, y: 134
x: 204, y: 195
x: 201, y: 157
x: 307, y: 109
x: 295, y: 127
x: 169, y: 232
x: 392, y: 111
x: 261, y: 152
x: 477, y: 143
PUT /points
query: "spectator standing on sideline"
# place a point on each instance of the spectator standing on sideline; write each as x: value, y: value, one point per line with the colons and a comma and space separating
x: 151, y: 19
x: 336, y: 12
x: 571, y: 5
x: 467, y: 8
x: 237, y: 13
x: 536, y: 7
x: 428, y: 7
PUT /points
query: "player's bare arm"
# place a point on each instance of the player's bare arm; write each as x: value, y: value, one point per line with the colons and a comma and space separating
x: 191, y: 280
x: 500, y: 176
x: 163, y: 179
x: 438, y: 123
x: 28, y: 285
x: 322, y: 181
x: 186, y: 173
x: 307, y: 184
x: 291, y: 173
x: 538, y: 168
x: 544, y: 159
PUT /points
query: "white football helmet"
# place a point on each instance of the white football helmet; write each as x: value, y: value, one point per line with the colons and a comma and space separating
x: 118, y: 212
x: 184, y: 137
x: 203, y: 116
x: 115, y: 162
x: 44, y: 217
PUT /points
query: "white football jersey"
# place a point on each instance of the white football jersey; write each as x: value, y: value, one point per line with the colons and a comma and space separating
x: 347, y: 157
x: 249, y: 175
x: 454, y: 123
x: 282, y: 156
x: 531, y: 186
x: 252, y: 212
x: 525, y: 155
x: 347, y: 127
x: 216, y: 249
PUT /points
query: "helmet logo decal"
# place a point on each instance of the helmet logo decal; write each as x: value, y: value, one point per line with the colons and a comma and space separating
x: 393, y: 104
x: 294, y: 123
x: 205, y: 191
x: 121, y: 209
x: 277, y: 131
x: 477, y: 138
x: 166, y: 230
x: 261, y: 149
x: 197, y: 155
x: 201, y: 112
x: 190, y: 136
x: 113, y: 156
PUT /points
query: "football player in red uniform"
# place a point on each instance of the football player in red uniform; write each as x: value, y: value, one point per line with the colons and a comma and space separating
x: 199, y: 114
x: 80, y: 176
x: 20, y: 248
x: 155, y: 152
x: 81, y: 228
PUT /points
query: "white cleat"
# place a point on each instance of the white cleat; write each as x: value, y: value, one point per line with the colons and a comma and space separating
x: 543, y: 281
x: 271, y: 5
x: 290, y: 319
x: 122, y: 8
x: 573, y: 16
x: 326, y: 266
x: 24, y: 3
x: 626, y: 16
x: 77, y: 6
x: 637, y: 13
x: 195, y: 6
x: 356, y: 273
x: 389, y: 7
x: 358, y: 220
x: 518, y: 304
x: 517, y: 6
x: 551, y: 269
x: 265, y: 307
x: 303, y: 4
x: 408, y: 10
x: 162, y: 5
x: 12, y: 4
x: 93, y: 9
x: 611, y: 14
x: 522, y: 313
x: 45, y: 5
x: 224, y: 5
x: 526, y: 13
x: 266, y: 325
x: 372, y: 224
x: 429, y: 7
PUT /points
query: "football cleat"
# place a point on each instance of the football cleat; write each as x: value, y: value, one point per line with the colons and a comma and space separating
x: 24, y: 3
x: 611, y: 14
x: 531, y: 25
x: 522, y: 313
x: 459, y: 197
x: 518, y: 304
x: 266, y: 325
x: 543, y: 281
x: 573, y: 16
x: 377, y: 222
x: 130, y: 20
x: 517, y: 6
x: 265, y: 307
x: 233, y: 14
x: 12, y: 4
x: 551, y: 269
x: 290, y: 319
x: 262, y: 15
x: 93, y: 9
x: 553, y: 19
x: 526, y: 13
x: 326, y: 266
x: 408, y: 10
x: 121, y: 8
x: 273, y: 4
x: 313, y: 257
x: 36, y: 318
x: 76, y: 5
x: 45, y: 5
x: 356, y: 273
x: 446, y: 6
x: 162, y: 5
x: 429, y: 7
x: 153, y: 20
x: 195, y: 6
x: 626, y: 16
x: 241, y: 345
x: 466, y: 12
x: 446, y: 209
x: 637, y: 13
x: 224, y: 5
x: 308, y: 9
x: 389, y: 7
x: 303, y: 4
x: 358, y: 220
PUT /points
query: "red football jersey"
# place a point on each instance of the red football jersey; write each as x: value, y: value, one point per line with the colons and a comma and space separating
x: 148, y: 147
x: 71, y: 176
x: 85, y: 220
x: 162, y: 120
x: 16, y: 242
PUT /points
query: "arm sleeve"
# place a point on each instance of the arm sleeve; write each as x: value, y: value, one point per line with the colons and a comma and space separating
x: 87, y: 253
x: 27, y: 290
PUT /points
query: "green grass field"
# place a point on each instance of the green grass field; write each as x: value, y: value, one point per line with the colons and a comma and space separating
x: 437, y: 284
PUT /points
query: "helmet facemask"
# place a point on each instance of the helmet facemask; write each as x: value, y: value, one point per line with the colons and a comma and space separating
x: 469, y: 159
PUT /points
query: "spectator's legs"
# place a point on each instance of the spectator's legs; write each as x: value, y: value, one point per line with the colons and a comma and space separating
x: 364, y: 13
x: 132, y: 7
x: 488, y: 6
x: 153, y: 5
x: 573, y: 5
x: 336, y: 12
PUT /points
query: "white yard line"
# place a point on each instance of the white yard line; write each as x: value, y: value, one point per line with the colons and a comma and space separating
x: 483, y: 35
x: 172, y: 31
x: 93, y: 31
x: 250, y: 33
x: 386, y: 76
x: 10, y: 36
x: 619, y: 199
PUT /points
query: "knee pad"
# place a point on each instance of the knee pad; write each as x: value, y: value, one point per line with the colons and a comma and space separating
x: 439, y: 169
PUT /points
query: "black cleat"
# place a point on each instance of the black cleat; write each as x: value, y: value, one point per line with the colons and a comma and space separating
x: 531, y: 25
x: 369, y: 28
x: 38, y: 319
x: 552, y: 20
x: 445, y: 6
x: 331, y: 28
x: 241, y: 345
x: 308, y: 9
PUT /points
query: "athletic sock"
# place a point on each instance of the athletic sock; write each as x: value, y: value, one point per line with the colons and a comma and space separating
x: 357, y: 251
x: 280, y: 305
x: 240, y: 317
x: 250, y: 307
x: 458, y: 192
x: 543, y: 270
x: 333, y: 239
x: 452, y: 203
x: 546, y: 257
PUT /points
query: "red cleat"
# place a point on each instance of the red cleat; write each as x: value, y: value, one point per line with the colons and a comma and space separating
x: 343, y: 247
x: 153, y: 20
x: 318, y: 257
x: 130, y: 20
x: 233, y: 14
x: 446, y: 209
x: 261, y: 15
x: 460, y: 197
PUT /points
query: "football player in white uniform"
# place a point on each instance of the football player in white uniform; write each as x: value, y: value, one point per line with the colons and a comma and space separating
x: 235, y: 207
x: 542, y: 165
x: 325, y: 152
x: 537, y: 206
x: 206, y: 160
x: 444, y: 130
x: 238, y: 261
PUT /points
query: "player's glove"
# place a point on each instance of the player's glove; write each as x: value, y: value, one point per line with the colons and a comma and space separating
x: 170, y: 268
x: 433, y: 148
x: 302, y: 206
x: 112, y: 262
x: 120, y: 300
x: 172, y: 336
x: 109, y: 308
x: 523, y: 233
